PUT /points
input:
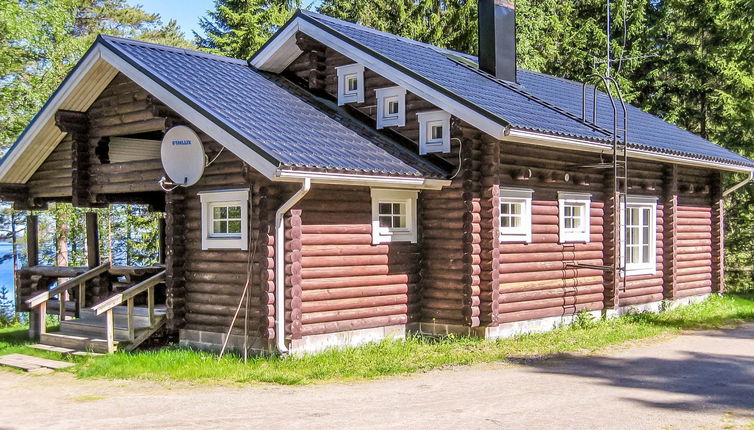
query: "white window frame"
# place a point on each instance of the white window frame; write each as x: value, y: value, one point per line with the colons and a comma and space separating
x: 387, y: 235
x: 521, y: 196
x: 582, y: 235
x: 428, y: 119
x: 640, y: 202
x: 344, y: 95
x: 235, y: 197
x: 385, y: 120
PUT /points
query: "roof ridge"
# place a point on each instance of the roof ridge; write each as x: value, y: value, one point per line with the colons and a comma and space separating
x: 362, y: 27
x: 185, y: 51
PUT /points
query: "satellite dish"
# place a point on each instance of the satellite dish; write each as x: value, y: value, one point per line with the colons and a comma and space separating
x: 182, y: 155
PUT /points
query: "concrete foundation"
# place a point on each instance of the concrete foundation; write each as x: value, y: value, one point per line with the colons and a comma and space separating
x: 345, y: 339
x: 213, y: 342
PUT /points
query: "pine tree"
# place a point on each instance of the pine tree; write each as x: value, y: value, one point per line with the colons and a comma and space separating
x: 237, y: 28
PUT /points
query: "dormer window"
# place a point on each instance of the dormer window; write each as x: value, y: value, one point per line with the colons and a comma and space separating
x: 391, y: 107
x: 350, y: 84
x: 434, y: 132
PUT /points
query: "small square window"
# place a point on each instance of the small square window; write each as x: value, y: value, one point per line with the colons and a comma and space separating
x: 391, y: 107
x: 393, y: 216
x: 515, y: 215
x: 350, y: 84
x: 434, y: 132
x: 224, y: 219
x: 574, y: 217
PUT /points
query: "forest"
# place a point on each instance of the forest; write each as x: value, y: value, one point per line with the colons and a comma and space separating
x: 686, y: 61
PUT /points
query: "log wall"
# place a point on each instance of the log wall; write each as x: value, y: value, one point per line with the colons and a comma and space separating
x: 336, y: 279
x: 538, y: 279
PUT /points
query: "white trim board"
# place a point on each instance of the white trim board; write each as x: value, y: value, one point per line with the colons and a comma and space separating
x: 267, y: 60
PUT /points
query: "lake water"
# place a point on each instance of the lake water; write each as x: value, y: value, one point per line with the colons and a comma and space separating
x: 6, y: 268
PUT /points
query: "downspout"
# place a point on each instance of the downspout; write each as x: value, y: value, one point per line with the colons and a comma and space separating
x: 738, y: 185
x: 280, y: 264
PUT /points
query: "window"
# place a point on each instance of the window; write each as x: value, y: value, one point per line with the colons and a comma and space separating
x: 391, y: 107
x: 393, y: 216
x: 225, y: 219
x: 434, y: 132
x: 574, y: 217
x: 515, y: 215
x: 640, y: 235
x: 350, y: 84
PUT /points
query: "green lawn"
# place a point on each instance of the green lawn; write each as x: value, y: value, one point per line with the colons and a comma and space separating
x: 416, y: 354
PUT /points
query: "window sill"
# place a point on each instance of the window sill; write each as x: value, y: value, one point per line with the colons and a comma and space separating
x: 224, y: 243
x: 640, y: 271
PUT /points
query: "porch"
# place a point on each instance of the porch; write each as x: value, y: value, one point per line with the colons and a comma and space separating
x: 101, y: 307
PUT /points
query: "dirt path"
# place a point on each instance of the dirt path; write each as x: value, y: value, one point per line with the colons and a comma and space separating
x: 702, y: 380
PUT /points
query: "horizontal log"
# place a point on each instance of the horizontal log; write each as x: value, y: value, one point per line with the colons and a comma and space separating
x: 356, y: 281
x: 356, y: 292
x: 639, y: 300
x: 362, y: 323
x: 350, y: 314
x: 549, y: 312
x: 336, y: 239
x: 565, y: 302
x: 509, y: 297
x: 546, y: 275
x: 355, y: 303
x: 337, y: 272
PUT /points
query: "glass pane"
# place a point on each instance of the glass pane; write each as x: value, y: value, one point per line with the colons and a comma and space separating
x: 646, y: 253
x: 391, y: 106
x: 217, y: 212
x: 567, y: 211
x: 386, y: 221
x: 505, y: 208
x: 351, y: 83
x: 399, y: 222
x: 234, y: 212
x: 436, y: 132
x: 517, y: 208
x: 505, y: 222
x: 398, y: 208
x: 234, y: 226
x: 220, y: 227
x: 647, y: 216
x: 385, y: 208
x: 515, y: 221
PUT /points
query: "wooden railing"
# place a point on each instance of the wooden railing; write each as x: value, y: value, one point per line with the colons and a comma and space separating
x: 127, y: 296
x: 40, y: 300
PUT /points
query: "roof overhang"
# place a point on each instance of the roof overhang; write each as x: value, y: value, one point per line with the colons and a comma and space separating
x: 281, y: 50
x: 553, y: 141
x: 92, y: 75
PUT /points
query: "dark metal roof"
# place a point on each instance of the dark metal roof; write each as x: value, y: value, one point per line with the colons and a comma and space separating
x: 271, y: 115
x: 539, y: 102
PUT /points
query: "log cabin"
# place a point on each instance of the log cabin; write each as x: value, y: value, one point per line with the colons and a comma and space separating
x: 346, y: 185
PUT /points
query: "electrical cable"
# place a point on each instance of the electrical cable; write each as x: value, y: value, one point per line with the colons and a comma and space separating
x: 163, y: 184
x: 625, y: 37
x: 460, y: 151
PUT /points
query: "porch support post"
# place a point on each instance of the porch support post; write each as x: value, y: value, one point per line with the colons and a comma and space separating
x: 718, y: 233
x: 32, y: 241
x: 36, y: 316
x: 92, y: 240
x: 76, y: 124
x: 161, y: 240
x: 670, y: 230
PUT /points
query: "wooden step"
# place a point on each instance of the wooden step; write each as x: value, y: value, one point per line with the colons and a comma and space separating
x: 96, y: 328
x: 51, y: 348
x: 78, y: 343
x: 123, y: 310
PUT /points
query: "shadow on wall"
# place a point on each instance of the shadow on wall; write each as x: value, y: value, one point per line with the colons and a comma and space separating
x: 711, y: 380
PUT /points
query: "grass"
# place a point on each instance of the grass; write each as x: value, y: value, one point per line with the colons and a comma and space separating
x: 415, y: 354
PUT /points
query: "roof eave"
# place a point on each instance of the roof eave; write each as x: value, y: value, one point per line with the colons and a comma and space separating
x: 557, y: 141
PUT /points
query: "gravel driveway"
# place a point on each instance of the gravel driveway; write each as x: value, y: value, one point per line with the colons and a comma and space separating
x: 699, y: 380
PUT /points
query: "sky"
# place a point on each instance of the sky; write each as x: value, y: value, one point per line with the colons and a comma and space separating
x: 185, y: 12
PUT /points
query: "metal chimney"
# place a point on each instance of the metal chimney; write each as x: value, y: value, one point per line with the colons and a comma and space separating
x: 497, y: 38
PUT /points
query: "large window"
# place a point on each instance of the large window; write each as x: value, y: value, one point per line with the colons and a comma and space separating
x: 574, y: 219
x: 393, y: 216
x: 391, y: 107
x: 225, y: 219
x: 515, y: 215
x: 640, y: 235
x: 350, y: 84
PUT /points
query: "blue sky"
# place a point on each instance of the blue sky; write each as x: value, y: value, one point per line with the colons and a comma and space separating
x: 186, y: 12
